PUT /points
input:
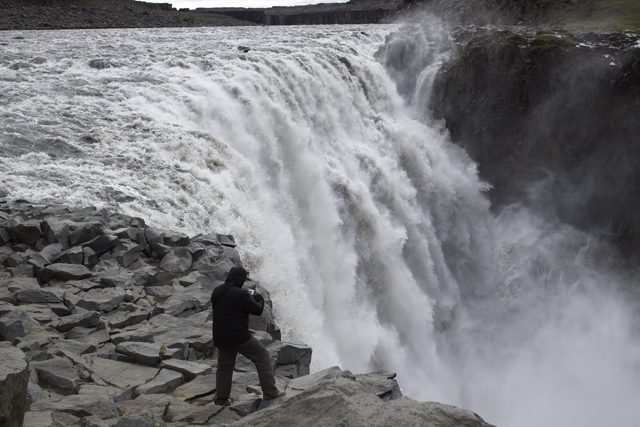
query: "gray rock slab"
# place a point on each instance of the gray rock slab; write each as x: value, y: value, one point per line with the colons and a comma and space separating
x: 226, y: 416
x: 246, y: 404
x: 162, y: 382
x: 16, y: 324
x: 217, y: 270
x: 64, y: 272
x: 38, y: 419
x: 85, y: 232
x: 190, y: 369
x: 40, y: 313
x: 89, y: 319
x: 58, y: 372
x: 193, y: 414
x: 104, y: 300
x: 198, y: 337
x: 383, y: 383
x: 129, y: 316
x: 71, y: 346
x: 119, y: 395
x: 145, y: 419
x: 41, y: 295
x: 79, y: 405
x: 200, y: 386
x: 344, y: 401
x: 98, y: 335
x: 17, y: 284
x: 7, y: 296
x: 159, y: 291
x: 14, y: 379
x: 73, y: 255
x: 148, y: 354
x: 177, y: 260
x: 120, y: 374
x: 157, y: 404
x: 117, y: 278
x: 26, y: 232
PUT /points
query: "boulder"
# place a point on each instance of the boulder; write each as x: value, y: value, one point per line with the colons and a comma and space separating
x: 17, y: 284
x: 190, y: 369
x: 117, y: 394
x: 89, y: 319
x: 58, y: 372
x: 165, y: 379
x: 292, y: 360
x: 157, y: 404
x: 79, y: 405
x: 342, y: 400
x: 40, y: 295
x: 200, y: 386
x: 117, y: 278
x: 148, y: 354
x: 384, y: 384
x: 56, y: 231
x: 14, y: 379
x: 145, y: 419
x: 64, y: 272
x: 85, y: 232
x: 120, y: 374
x: 73, y: 255
x: 226, y: 240
x: 15, y: 324
x: 104, y: 300
x: 177, y: 260
x: 128, y: 253
x: 26, y: 232
x: 216, y: 271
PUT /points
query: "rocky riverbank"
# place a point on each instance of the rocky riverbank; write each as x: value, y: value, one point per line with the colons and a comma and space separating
x: 105, y: 321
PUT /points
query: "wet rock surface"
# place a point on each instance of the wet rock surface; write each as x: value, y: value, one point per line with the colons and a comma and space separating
x: 85, y: 351
x: 551, y: 118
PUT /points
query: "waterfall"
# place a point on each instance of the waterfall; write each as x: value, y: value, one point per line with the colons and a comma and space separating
x: 370, y: 229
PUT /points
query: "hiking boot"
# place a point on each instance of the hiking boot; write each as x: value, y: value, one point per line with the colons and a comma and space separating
x: 222, y: 402
x: 281, y: 393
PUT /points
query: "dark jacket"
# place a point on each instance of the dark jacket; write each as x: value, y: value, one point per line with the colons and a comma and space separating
x: 232, y: 306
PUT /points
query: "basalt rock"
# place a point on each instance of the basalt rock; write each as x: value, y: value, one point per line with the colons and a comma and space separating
x: 122, y: 342
x: 553, y: 121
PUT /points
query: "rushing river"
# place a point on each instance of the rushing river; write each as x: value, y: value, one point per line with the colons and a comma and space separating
x: 369, y: 227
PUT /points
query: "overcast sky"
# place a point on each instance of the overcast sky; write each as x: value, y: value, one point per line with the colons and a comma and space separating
x: 192, y: 4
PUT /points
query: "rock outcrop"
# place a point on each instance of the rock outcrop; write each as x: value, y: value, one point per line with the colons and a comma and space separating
x: 553, y: 120
x: 111, y: 337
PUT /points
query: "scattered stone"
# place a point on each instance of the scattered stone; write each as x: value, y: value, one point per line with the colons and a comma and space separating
x: 120, y: 374
x: 15, y: 324
x: 89, y: 319
x: 165, y: 380
x: 147, y: 354
x: 26, y: 232
x: 41, y: 295
x: 145, y: 419
x: 200, y: 386
x: 104, y: 300
x: 58, y: 372
x: 79, y: 405
x: 64, y: 272
x: 190, y: 369
x: 117, y: 394
x: 177, y: 260
x: 73, y: 255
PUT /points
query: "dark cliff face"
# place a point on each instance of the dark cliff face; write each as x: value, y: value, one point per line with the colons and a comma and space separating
x: 553, y: 120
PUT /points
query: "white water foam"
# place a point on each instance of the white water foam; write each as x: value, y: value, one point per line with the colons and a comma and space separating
x: 370, y: 229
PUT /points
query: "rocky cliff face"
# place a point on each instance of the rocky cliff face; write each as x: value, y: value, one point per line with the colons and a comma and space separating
x: 106, y: 322
x: 553, y: 120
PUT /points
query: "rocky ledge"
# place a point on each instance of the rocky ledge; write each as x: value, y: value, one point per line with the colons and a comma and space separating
x: 105, y: 321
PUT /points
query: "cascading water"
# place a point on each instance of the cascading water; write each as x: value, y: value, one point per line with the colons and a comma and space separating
x: 370, y: 229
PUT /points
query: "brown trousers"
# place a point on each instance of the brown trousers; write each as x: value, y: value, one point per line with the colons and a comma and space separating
x: 254, y: 351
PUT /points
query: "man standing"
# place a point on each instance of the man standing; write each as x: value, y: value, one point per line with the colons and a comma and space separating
x: 232, y: 306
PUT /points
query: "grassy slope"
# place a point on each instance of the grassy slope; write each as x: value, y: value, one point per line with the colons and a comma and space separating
x: 592, y: 15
